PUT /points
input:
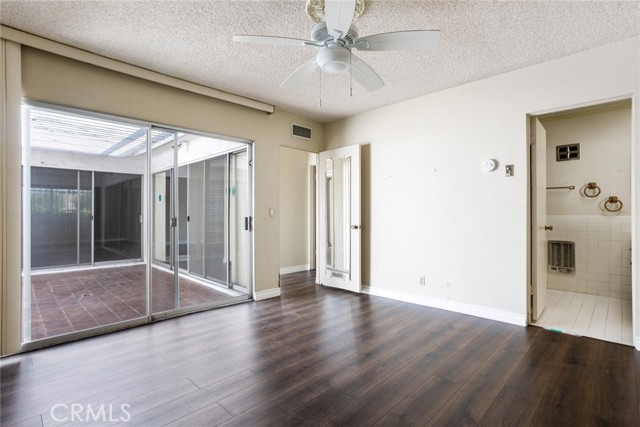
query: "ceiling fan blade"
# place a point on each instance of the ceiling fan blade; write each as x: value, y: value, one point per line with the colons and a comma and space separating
x: 278, y: 41
x: 300, y: 74
x: 364, y: 74
x: 400, y: 40
x: 338, y: 16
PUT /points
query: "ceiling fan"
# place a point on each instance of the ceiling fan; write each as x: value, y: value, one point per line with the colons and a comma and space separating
x: 335, y: 37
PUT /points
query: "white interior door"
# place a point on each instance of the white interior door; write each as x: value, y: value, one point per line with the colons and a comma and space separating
x: 339, y: 233
x: 538, y: 218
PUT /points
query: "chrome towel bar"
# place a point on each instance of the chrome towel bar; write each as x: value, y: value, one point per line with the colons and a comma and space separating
x: 568, y: 187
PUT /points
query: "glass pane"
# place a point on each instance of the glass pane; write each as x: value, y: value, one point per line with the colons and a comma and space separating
x: 196, y: 219
x: 338, y: 186
x: 161, y: 217
x: 54, y: 217
x: 215, y: 219
x: 76, y: 213
x: 183, y: 205
x: 190, y: 227
x: 118, y: 206
x: 85, y: 208
x: 164, y: 288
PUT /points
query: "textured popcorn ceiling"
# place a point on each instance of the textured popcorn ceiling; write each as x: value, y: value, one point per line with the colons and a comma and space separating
x: 191, y: 40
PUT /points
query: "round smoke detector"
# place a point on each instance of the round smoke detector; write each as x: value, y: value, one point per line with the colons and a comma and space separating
x: 315, y: 10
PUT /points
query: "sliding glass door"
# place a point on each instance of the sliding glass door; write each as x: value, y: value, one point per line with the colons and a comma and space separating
x: 200, y: 187
x: 124, y: 223
x: 83, y: 265
x: 61, y: 201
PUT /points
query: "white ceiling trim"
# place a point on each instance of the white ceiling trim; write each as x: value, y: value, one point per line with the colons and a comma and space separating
x: 30, y: 40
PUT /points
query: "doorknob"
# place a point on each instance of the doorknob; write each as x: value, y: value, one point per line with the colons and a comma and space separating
x: 355, y: 227
x: 548, y: 227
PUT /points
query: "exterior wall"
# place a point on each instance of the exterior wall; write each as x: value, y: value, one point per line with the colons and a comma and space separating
x: 54, y: 79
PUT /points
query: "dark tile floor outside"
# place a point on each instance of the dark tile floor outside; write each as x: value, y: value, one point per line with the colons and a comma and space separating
x: 74, y: 301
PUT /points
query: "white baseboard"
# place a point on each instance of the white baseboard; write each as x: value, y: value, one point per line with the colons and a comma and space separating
x: 294, y: 269
x: 269, y: 293
x: 458, y: 307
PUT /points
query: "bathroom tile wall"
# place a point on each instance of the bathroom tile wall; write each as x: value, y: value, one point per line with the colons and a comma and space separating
x: 603, y: 254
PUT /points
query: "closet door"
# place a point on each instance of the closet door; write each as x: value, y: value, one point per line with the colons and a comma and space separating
x: 339, y: 218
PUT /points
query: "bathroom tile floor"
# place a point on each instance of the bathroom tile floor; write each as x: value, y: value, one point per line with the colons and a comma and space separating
x: 594, y: 316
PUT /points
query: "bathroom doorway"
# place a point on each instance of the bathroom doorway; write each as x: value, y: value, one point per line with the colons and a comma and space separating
x: 580, y: 164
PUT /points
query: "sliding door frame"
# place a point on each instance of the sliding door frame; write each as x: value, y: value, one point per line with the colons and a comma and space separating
x: 146, y: 229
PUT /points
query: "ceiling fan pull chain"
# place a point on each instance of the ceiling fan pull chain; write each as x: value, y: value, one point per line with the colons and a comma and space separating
x: 320, y: 90
x: 350, y: 74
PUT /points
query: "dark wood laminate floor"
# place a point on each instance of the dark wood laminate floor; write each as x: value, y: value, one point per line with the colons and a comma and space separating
x: 322, y: 357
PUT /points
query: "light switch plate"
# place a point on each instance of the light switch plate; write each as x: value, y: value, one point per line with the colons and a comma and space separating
x: 508, y: 170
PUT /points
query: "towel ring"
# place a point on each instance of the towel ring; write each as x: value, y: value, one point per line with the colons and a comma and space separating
x: 593, y: 190
x: 613, y: 200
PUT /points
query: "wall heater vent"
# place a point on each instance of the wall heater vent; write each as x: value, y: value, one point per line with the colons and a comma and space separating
x: 562, y: 256
x: 301, y: 132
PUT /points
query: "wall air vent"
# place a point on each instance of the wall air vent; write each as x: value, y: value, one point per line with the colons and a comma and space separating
x: 301, y: 132
x: 567, y: 152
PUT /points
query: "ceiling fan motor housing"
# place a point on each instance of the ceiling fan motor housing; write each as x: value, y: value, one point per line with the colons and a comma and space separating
x: 321, y: 34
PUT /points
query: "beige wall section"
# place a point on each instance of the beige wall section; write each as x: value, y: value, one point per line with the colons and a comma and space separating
x: 10, y: 182
x: 294, y: 206
x: 428, y: 209
x: 605, y: 158
x: 50, y: 78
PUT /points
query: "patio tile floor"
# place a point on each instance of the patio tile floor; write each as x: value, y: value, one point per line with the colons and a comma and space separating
x: 65, y: 302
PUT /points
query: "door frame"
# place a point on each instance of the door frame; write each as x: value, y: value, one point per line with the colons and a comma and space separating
x: 313, y: 206
x: 533, y: 292
x: 635, y: 195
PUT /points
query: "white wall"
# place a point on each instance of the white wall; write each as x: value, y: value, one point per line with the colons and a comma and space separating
x: 605, y: 158
x: 429, y: 209
x: 294, y: 210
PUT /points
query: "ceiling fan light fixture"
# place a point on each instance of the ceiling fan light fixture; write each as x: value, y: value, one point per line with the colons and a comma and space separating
x: 334, y: 60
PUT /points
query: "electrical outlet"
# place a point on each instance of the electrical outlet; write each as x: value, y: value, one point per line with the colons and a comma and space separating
x: 422, y: 280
